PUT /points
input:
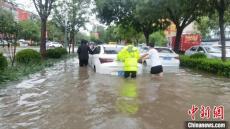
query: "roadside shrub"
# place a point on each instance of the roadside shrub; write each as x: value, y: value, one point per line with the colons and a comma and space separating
x: 3, y: 62
x: 63, y: 51
x: 53, y: 53
x: 28, y: 56
x: 56, y: 53
x: 198, y: 55
x: 215, y: 66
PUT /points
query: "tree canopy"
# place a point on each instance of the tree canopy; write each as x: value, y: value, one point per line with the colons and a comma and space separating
x: 142, y: 16
x: 29, y: 30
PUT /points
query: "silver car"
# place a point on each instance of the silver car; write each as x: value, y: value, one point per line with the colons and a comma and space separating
x: 209, y: 51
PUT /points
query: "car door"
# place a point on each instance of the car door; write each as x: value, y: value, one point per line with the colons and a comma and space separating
x: 95, y: 56
x: 90, y: 58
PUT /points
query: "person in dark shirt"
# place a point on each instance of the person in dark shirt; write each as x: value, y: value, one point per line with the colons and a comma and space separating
x: 83, y: 53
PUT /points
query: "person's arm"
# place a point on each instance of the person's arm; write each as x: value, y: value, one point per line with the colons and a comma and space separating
x: 120, y: 55
x: 89, y: 50
x: 145, y: 56
x: 78, y: 50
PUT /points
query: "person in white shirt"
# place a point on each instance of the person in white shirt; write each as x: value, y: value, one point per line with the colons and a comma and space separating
x: 155, y: 62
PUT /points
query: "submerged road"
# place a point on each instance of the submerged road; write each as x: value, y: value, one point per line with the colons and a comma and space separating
x: 68, y: 97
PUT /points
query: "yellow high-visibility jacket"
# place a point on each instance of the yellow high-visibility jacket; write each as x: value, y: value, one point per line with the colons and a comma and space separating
x: 129, y: 55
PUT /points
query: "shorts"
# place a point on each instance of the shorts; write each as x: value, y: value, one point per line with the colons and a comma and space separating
x: 156, y: 69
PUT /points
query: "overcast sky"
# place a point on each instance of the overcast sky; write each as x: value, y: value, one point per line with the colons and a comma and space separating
x: 29, y: 6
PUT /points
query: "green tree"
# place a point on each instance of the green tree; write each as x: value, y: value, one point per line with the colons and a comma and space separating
x: 81, y: 36
x: 6, y: 23
x: 143, y: 16
x: 43, y: 8
x: 158, y: 38
x: 74, y: 11
x: 221, y: 7
x: 111, y: 34
x: 101, y: 32
x: 55, y: 32
x: 182, y: 13
x: 127, y: 33
x: 9, y: 29
x: 30, y: 30
x: 206, y: 24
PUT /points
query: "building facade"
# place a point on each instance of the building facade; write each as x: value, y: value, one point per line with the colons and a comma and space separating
x: 18, y: 13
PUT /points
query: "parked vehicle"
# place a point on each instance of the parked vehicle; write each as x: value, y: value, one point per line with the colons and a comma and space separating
x: 209, y: 51
x: 187, y: 41
x: 3, y: 43
x: 104, y: 60
x: 53, y: 44
x: 23, y: 43
x: 143, y: 49
x: 167, y: 56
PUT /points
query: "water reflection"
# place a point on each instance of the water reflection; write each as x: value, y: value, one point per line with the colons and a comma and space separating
x: 127, y: 101
x: 68, y: 97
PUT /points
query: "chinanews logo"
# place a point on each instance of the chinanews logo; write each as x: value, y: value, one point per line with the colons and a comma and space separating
x: 205, y: 113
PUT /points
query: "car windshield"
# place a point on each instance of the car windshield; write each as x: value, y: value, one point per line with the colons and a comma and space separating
x: 112, y: 50
x: 164, y: 50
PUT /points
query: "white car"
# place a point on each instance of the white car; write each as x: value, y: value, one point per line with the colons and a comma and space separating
x: 169, y: 59
x: 23, y: 43
x: 167, y: 56
x: 3, y: 42
x: 209, y: 51
x: 104, y: 60
x: 53, y: 44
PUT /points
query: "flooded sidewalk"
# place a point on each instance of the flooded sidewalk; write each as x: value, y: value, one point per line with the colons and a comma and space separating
x: 68, y: 97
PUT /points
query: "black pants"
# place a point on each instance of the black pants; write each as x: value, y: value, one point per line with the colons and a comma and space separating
x: 128, y: 73
x: 83, y: 62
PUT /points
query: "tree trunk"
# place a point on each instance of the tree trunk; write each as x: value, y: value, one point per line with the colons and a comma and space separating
x: 222, y: 33
x: 14, y: 51
x: 72, y: 40
x: 43, y: 38
x: 178, y: 38
x: 146, y: 34
x: 69, y: 43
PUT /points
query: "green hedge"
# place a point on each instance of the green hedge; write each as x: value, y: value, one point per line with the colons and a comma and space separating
x: 28, y: 56
x: 56, y: 53
x: 63, y: 51
x: 215, y: 66
x: 3, y: 62
x: 198, y: 55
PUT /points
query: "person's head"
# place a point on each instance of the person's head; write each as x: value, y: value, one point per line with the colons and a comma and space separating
x: 128, y: 42
x: 152, y: 45
x: 83, y: 42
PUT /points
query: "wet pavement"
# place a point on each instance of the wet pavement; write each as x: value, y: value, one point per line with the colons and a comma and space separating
x: 66, y: 97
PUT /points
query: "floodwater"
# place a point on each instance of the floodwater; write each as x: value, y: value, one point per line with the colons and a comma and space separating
x: 66, y: 97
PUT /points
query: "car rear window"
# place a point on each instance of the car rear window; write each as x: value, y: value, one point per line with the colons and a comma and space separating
x: 164, y: 50
x: 112, y: 50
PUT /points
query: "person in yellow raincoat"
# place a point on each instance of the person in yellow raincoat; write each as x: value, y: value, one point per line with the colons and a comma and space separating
x: 129, y: 55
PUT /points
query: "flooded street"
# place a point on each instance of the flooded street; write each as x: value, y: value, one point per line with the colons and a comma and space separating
x: 66, y: 97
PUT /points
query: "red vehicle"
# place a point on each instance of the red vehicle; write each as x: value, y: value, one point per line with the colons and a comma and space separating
x: 187, y: 41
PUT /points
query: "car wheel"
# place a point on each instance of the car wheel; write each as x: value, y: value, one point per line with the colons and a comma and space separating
x: 94, y: 68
